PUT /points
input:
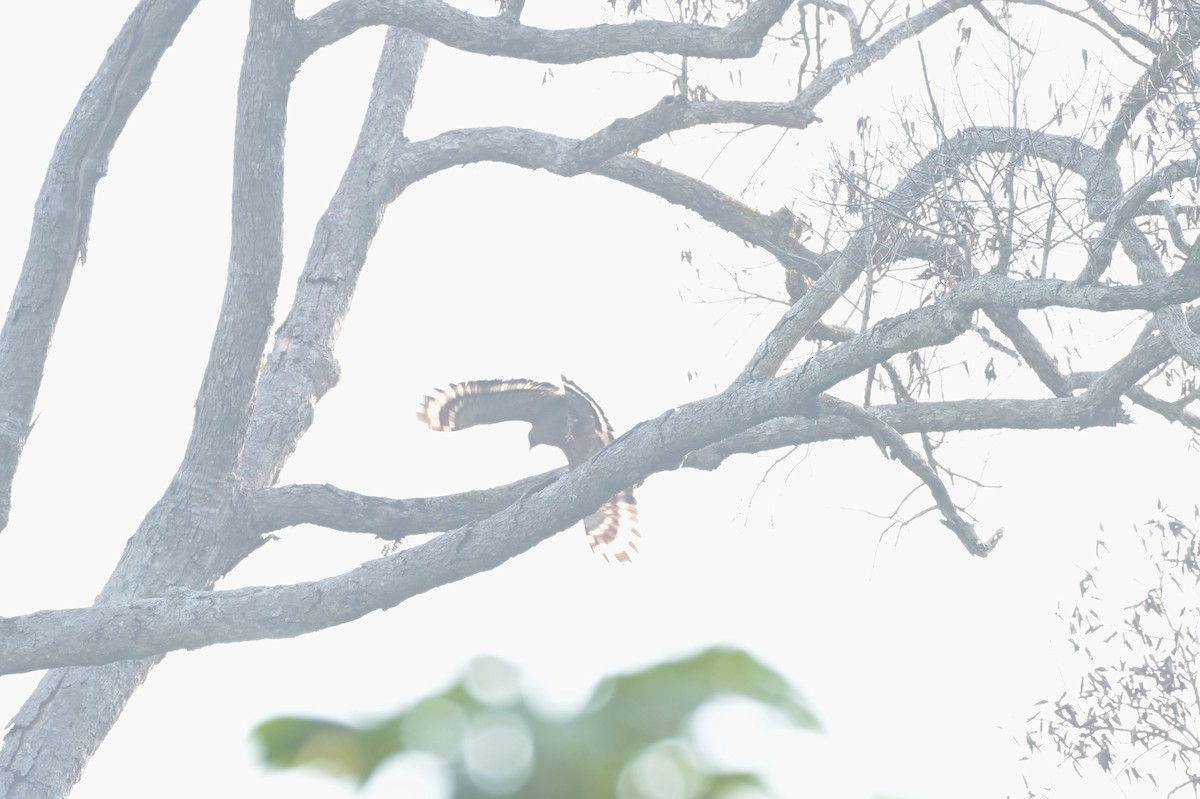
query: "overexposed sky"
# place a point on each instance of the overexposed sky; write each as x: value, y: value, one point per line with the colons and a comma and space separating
x: 921, y: 660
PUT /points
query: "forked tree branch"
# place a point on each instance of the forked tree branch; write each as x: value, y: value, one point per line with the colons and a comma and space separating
x: 894, y: 446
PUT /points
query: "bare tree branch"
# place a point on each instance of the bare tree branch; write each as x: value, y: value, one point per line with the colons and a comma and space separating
x: 1126, y: 208
x: 301, y: 367
x: 1114, y: 22
x: 499, y: 36
x: 894, y: 445
x: 62, y: 213
x: 1173, y: 54
x: 270, y: 509
x: 1171, y: 411
x: 913, y: 417
x: 1031, y: 350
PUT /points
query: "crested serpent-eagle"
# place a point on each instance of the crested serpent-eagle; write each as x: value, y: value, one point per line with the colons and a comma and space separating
x: 562, y: 416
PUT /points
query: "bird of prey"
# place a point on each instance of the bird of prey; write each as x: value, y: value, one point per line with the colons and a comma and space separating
x: 562, y: 416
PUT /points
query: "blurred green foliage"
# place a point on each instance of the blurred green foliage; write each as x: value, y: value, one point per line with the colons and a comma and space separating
x: 631, y: 739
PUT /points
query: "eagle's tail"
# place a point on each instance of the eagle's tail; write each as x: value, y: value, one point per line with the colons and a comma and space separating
x: 612, y: 530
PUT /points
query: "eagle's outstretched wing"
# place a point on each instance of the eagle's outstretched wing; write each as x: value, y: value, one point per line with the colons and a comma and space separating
x: 602, y: 424
x: 567, y: 418
x: 487, y: 402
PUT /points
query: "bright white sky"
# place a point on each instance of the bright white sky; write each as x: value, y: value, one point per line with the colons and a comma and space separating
x: 922, y: 661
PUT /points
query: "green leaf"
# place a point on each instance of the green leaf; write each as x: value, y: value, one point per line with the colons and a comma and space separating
x: 353, y: 752
x: 634, y: 731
